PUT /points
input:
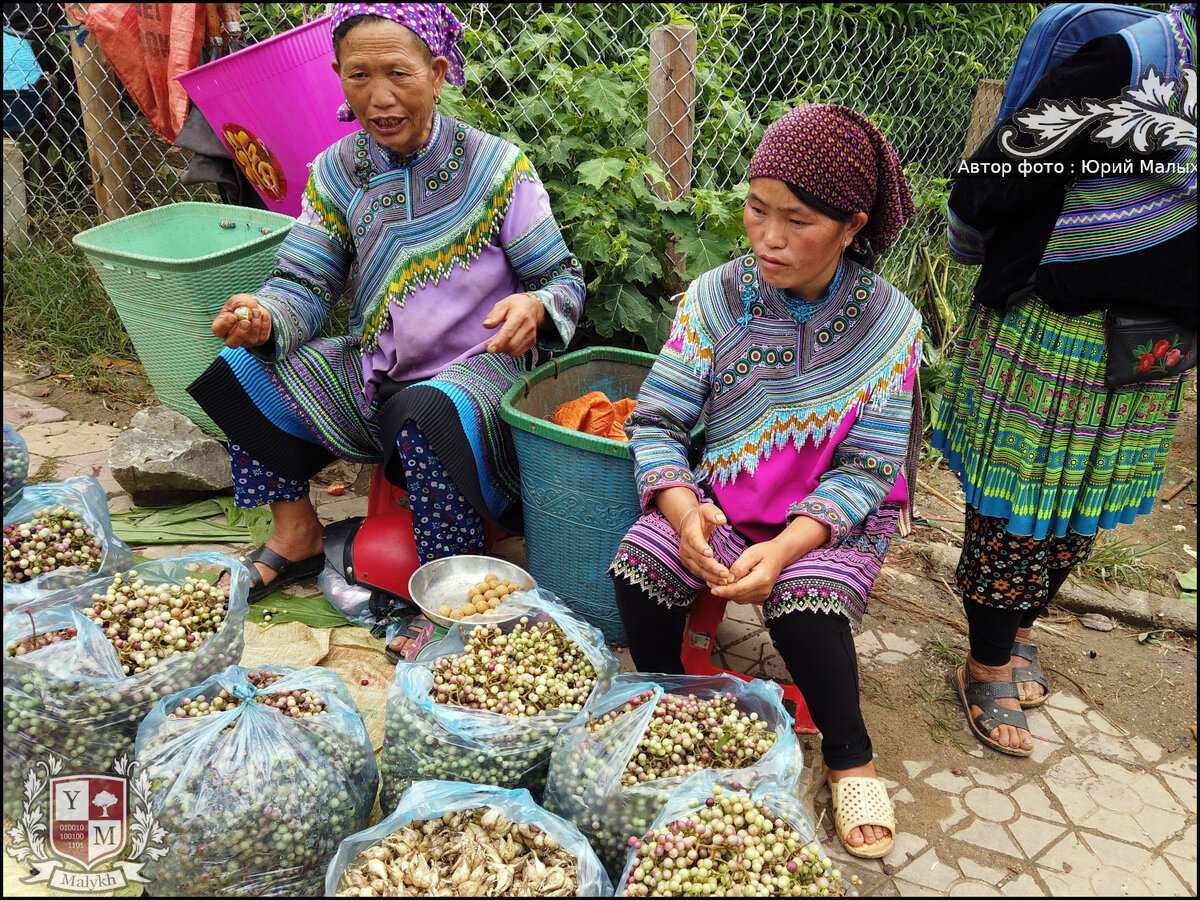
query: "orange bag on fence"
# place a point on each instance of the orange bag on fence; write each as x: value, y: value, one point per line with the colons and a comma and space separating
x: 148, y: 44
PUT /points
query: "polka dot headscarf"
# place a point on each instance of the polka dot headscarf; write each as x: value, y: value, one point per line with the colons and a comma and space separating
x: 839, y: 157
x: 431, y: 22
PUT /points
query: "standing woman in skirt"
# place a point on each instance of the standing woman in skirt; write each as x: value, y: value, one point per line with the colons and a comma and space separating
x: 1057, y: 421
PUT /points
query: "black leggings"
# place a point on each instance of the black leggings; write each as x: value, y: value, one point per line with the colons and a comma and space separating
x: 992, y: 630
x: 816, y: 647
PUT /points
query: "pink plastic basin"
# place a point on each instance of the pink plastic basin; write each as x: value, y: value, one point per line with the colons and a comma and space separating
x: 274, y: 106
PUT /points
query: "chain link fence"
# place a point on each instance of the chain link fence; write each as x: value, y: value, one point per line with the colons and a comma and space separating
x: 690, y: 87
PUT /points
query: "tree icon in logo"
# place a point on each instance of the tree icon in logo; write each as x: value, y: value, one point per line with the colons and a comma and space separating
x: 104, y: 800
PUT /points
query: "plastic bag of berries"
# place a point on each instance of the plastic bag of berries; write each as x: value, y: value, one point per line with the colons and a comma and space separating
x: 616, y: 765
x: 724, y: 840
x: 82, y: 670
x: 258, y: 774
x: 16, y: 466
x: 58, y: 534
x: 485, y: 703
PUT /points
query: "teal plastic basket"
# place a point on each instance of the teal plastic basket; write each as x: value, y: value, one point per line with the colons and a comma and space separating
x: 168, y: 271
x: 577, y: 489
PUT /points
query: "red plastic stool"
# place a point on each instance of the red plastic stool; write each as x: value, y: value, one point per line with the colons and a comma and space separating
x: 698, y: 639
x: 385, y: 498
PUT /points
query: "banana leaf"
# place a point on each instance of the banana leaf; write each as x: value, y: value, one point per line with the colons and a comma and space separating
x: 315, y: 612
x: 192, y: 523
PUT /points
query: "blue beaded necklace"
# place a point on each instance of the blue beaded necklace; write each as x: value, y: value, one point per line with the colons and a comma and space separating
x: 802, y: 310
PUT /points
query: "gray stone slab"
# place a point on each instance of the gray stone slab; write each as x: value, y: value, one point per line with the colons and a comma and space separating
x: 867, y: 644
x: 1073, y: 726
x: 744, y: 638
x: 1148, y: 750
x: 990, y: 805
x: 1001, y: 781
x: 913, y: 768
x: 957, y: 816
x: 1067, y: 780
x: 61, y: 440
x: 931, y: 871
x: 20, y: 411
x: 898, y: 642
x: 989, y: 836
x: 906, y: 888
x: 908, y: 846
x: 1023, y: 886
x: 1162, y: 881
x: 969, y: 887
x: 1033, y: 801
x: 344, y: 507
x: 945, y: 780
x: 1069, y: 702
x: 1183, y: 789
x: 1119, y: 854
x: 1182, y: 765
x: 1034, y: 835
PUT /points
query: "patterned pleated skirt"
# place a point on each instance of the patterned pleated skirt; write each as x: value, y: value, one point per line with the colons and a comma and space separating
x: 1034, y: 435
x: 297, y: 415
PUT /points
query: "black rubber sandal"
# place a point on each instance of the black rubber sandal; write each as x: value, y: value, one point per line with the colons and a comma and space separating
x: 983, y: 694
x: 286, y: 571
x: 1032, y: 672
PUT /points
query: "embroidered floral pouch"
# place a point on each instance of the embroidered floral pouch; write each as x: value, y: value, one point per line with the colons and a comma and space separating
x: 1144, y: 349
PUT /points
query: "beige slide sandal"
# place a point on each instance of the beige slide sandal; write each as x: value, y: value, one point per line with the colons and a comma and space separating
x: 863, y: 801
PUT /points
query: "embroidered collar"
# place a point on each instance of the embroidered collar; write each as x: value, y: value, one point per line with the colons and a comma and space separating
x: 796, y: 306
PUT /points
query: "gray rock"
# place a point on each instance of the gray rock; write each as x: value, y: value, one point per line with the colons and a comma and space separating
x: 943, y: 557
x: 1097, y: 622
x: 164, y: 459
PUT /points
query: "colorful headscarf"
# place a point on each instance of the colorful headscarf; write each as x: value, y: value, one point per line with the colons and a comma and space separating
x: 839, y: 157
x: 433, y: 23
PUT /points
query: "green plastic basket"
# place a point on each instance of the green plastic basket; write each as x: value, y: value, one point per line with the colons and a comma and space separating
x: 168, y: 271
x: 577, y: 489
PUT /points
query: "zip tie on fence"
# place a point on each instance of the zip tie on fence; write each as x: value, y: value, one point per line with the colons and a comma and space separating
x: 81, y: 28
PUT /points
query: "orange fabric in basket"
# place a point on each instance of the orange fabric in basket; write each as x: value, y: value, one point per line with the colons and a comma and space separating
x: 594, y: 413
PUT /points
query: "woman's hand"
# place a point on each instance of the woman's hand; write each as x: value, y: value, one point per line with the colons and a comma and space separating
x: 521, y: 314
x: 242, y: 322
x: 754, y: 574
x: 695, y: 527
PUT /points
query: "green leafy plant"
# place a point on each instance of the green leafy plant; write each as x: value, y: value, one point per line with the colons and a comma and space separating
x: 1187, y: 584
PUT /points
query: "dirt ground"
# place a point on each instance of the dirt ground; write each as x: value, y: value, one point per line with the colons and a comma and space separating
x: 1145, y: 684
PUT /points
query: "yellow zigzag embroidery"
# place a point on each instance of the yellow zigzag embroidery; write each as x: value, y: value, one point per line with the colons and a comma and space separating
x: 418, y: 272
x: 332, y: 222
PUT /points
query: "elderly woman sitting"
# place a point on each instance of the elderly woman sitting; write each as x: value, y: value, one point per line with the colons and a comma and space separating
x: 458, y: 277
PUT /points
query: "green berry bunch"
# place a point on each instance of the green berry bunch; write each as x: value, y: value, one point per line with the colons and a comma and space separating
x: 56, y: 537
x: 732, y: 846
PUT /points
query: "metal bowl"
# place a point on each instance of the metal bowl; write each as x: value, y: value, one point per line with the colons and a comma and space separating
x: 447, y: 581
